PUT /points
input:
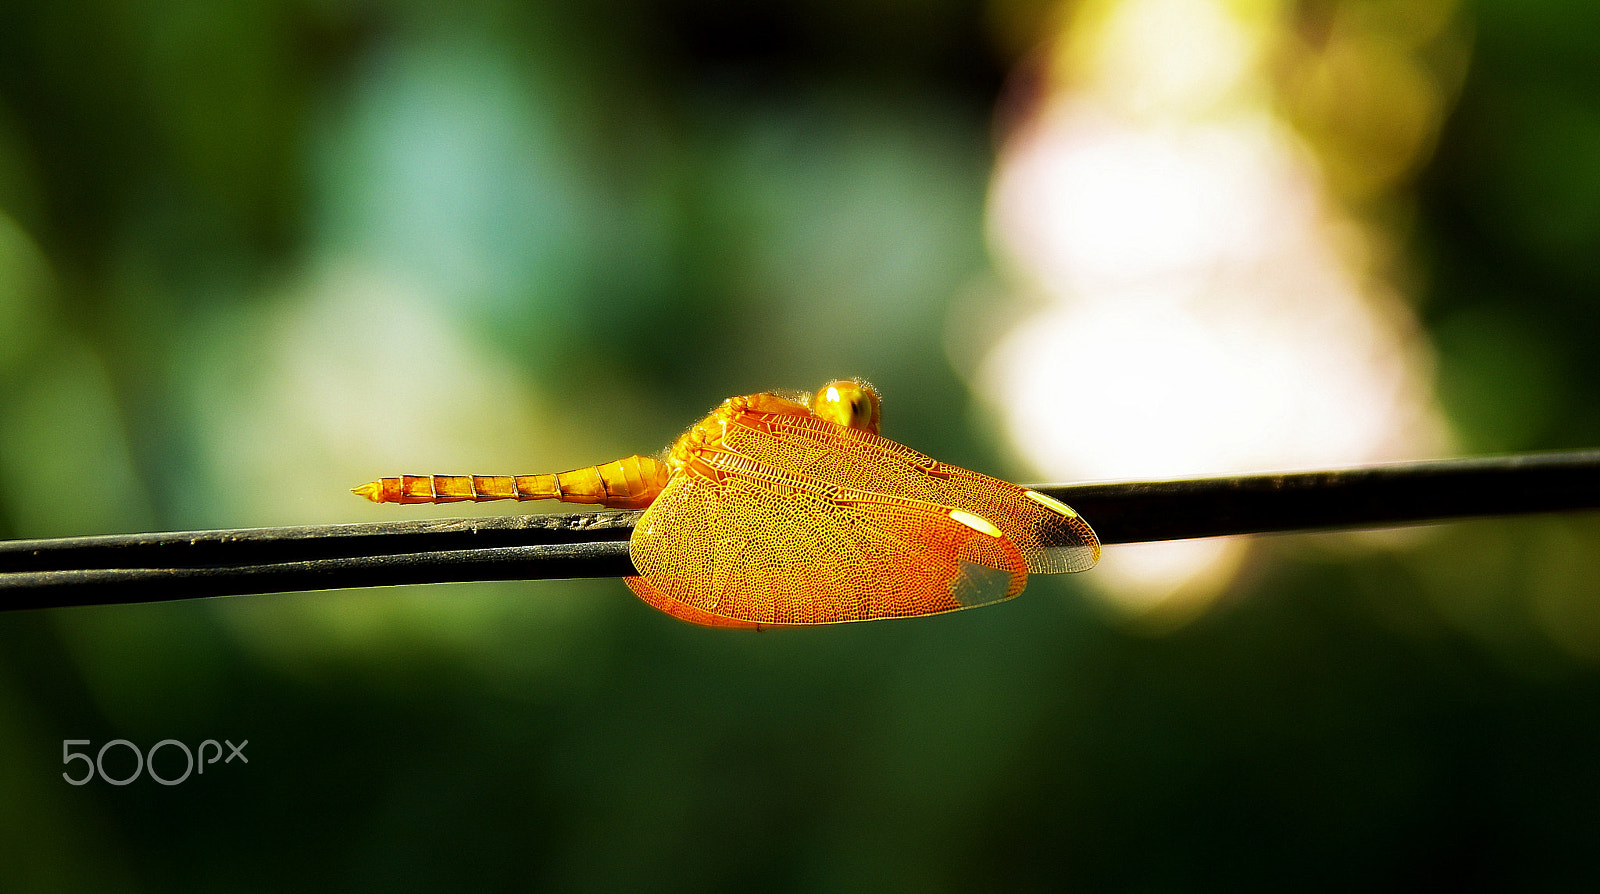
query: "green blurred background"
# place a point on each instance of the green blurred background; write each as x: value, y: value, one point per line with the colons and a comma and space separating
x: 252, y: 254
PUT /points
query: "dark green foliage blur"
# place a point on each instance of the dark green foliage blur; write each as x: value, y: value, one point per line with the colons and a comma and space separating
x: 563, y: 230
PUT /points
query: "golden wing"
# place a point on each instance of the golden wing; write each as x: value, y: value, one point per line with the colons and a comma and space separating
x: 755, y: 546
x: 1051, y: 536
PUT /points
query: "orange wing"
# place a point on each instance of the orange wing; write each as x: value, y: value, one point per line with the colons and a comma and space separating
x: 751, y: 546
x: 1051, y: 536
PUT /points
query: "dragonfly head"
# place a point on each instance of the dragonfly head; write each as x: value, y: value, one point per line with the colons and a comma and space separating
x: 848, y: 402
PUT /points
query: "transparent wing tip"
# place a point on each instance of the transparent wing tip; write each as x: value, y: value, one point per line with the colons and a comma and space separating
x: 1067, y: 543
x: 1063, y: 559
x: 979, y: 584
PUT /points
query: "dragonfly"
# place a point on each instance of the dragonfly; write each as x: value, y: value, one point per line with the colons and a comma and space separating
x: 787, y: 509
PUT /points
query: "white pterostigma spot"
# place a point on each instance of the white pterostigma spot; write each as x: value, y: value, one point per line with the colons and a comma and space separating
x: 975, y: 522
x: 1050, y: 503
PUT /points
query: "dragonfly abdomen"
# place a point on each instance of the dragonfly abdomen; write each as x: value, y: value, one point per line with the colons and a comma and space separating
x: 443, y: 489
x: 631, y: 483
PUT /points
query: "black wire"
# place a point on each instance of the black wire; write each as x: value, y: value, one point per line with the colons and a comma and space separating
x: 1366, y: 496
x: 128, y: 568
x: 105, y: 586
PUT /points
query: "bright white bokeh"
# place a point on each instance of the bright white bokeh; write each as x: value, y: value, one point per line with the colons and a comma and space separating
x: 1196, y: 302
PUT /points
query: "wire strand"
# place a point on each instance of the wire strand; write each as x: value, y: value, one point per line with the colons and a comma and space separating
x: 134, y: 568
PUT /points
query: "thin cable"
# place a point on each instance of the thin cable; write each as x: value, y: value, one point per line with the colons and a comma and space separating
x: 131, y: 568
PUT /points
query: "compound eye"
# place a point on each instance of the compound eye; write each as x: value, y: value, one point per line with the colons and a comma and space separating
x: 848, y: 402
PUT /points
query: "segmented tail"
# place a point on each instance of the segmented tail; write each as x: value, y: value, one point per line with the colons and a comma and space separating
x: 631, y: 483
